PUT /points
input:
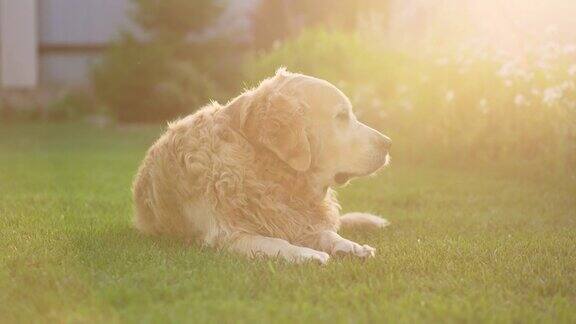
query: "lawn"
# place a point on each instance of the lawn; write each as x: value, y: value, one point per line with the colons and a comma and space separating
x: 464, y: 246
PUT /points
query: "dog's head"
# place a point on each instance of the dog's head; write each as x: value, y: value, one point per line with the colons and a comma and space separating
x: 309, y: 124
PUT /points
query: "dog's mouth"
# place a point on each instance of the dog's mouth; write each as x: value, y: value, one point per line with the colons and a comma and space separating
x: 343, y: 177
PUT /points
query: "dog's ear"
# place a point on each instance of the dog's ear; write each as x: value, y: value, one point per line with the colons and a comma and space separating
x: 277, y: 122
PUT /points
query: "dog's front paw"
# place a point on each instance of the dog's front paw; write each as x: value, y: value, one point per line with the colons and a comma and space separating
x: 347, y: 247
x: 306, y: 254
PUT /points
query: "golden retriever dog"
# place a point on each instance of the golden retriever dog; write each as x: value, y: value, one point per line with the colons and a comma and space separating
x: 255, y: 176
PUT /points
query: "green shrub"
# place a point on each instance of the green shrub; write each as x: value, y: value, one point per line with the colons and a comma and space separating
x: 71, y: 105
x: 362, y: 71
x: 277, y: 20
x: 144, y: 82
x: 161, y: 74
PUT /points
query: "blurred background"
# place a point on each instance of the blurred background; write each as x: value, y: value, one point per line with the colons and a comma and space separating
x: 459, y: 82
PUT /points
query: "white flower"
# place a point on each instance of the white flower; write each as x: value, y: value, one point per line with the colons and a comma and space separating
x: 567, y: 85
x: 551, y: 95
x: 569, y: 49
x: 525, y: 75
x: 442, y: 61
x: 406, y: 105
x: 572, y: 70
x: 449, y: 96
x: 401, y: 88
x: 508, y: 83
x: 551, y: 29
x: 376, y: 103
x: 483, y: 105
x: 276, y: 44
x: 424, y: 78
x: 543, y: 65
x: 507, y: 69
x: 520, y: 101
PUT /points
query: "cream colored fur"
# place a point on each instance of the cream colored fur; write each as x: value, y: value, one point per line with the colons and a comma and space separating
x: 255, y: 176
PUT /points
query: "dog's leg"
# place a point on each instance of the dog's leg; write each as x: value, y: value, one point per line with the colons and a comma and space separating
x: 332, y: 243
x: 362, y: 220
x: 254, y: 246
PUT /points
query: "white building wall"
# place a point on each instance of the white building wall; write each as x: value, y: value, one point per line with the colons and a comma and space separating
x: 82, y: 22
x: 67, y: 68
x: 18, y: 44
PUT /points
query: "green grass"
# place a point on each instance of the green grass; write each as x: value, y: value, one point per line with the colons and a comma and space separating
x: 464, y: 246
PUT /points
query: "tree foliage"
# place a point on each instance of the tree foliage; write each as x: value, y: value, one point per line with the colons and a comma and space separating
x: 159, y: 74
x: 277, y: 20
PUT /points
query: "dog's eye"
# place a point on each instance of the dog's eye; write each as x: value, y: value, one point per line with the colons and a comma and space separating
x: 343, y: 115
